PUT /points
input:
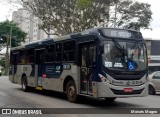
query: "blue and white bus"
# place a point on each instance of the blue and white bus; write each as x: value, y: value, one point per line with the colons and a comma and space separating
x: 101, y: 63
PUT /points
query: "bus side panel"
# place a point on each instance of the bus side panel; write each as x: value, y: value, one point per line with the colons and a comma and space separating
x: 56, y: 84
x: 17, y: 74
x: 11, y: 73
x: 26, y: 70
x: 29, y: 71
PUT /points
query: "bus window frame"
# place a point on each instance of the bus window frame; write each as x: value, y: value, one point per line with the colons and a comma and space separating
x: 53, y: 53
x: 61, y: 52
x: 73, y: 51
x: 38, y: 49
x: 29, y: 63
x: 17, y: 61
x: 25, y: 55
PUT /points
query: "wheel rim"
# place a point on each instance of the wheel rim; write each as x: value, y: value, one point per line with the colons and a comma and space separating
x: 71, y: 92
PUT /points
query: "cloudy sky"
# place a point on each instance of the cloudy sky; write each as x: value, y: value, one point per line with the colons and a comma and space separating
x: 155, y: 24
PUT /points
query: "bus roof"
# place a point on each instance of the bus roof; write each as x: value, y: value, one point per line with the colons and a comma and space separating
x: 70, y: 36
x: 18, y: 47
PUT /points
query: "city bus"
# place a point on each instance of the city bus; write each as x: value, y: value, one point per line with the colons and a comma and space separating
x: 101, y: 63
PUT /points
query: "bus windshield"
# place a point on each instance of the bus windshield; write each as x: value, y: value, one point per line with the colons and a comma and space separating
x: 124, y: 55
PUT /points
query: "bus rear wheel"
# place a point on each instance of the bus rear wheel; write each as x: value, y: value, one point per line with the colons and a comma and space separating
x: 71, y: 92
x: 25, y: 88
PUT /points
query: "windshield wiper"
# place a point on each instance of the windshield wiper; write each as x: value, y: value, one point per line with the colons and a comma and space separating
x: 117, y: 44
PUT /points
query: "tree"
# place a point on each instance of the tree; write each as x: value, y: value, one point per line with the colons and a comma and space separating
x: 132, y: 14
x: 6, y: 28
x: 2, y: 62
x: 69, y: 16
x: 10, y: 30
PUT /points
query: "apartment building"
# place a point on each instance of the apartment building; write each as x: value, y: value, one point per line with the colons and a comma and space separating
x: 29, y: 24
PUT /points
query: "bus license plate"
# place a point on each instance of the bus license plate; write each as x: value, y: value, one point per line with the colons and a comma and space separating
x: 128, y: 90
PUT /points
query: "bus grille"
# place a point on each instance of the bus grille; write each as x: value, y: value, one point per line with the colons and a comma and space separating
x: 121, y: 92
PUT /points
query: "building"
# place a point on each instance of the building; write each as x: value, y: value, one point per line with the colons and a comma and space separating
x: 29, y: 24
x: 153, y: 51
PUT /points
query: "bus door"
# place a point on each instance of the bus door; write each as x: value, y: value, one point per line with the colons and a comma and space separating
x: 15, y: 60
x: 39, y: 60
x: 86, y: 67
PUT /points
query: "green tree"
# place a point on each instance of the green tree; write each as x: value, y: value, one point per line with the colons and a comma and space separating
x: 68, y: 16
x: 2, y: 62
x: 9, y: 28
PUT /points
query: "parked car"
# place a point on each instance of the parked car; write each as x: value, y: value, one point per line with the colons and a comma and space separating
x: 154, y: 83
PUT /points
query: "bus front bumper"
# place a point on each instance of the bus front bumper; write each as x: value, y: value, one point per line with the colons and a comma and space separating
x: 109, y: 90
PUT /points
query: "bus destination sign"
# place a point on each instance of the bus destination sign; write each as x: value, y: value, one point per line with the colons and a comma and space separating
x: 123, y: 34
x: 120, y: 33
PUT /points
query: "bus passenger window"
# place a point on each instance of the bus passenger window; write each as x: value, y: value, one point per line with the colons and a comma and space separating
x: 84, y: 56
x: 49, y: 53
x: 58, y: 53
x: 68, y: 51
x: 30, y: 56
x: 22, y: 57
x: 15, y: 58
x: 92, y: 55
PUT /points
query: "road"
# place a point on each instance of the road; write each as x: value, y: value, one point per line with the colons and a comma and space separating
x: 11, y: 96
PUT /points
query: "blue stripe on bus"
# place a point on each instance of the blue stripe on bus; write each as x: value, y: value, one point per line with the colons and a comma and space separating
x: 51, y: 70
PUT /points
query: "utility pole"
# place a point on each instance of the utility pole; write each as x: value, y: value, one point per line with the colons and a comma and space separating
x: 7, y: 57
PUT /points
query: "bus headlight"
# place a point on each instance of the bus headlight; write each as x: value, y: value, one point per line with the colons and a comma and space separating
x: 103, y: 79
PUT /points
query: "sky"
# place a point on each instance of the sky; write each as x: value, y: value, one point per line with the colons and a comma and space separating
x: 155, y: 24
x: 154, y: 32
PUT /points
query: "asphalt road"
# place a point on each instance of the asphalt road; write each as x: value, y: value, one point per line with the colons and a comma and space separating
x: 11, y: 96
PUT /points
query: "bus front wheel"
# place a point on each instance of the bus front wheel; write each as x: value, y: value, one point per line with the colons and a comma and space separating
x: 71, y: 91
x: 151, y: 90
x: 110, y: 99
x: 24, y: 84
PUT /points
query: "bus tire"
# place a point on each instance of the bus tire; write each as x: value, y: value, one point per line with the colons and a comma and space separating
x: 71, y: 91
x: 110, y: 99
x: 151, y: 90
x: 25, y: 88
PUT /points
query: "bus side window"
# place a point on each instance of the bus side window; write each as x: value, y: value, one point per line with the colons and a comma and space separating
x: 30, y: 56
x: 15, y: 58
x: 49, y: 53
x: 92, y: 55
x: 58, y: 53
x: 84, y: 56
x: 22, y: 57
x: 68, y: 51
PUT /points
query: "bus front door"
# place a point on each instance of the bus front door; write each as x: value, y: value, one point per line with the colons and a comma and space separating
x: 39, y: 60
x: 87, y: 60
